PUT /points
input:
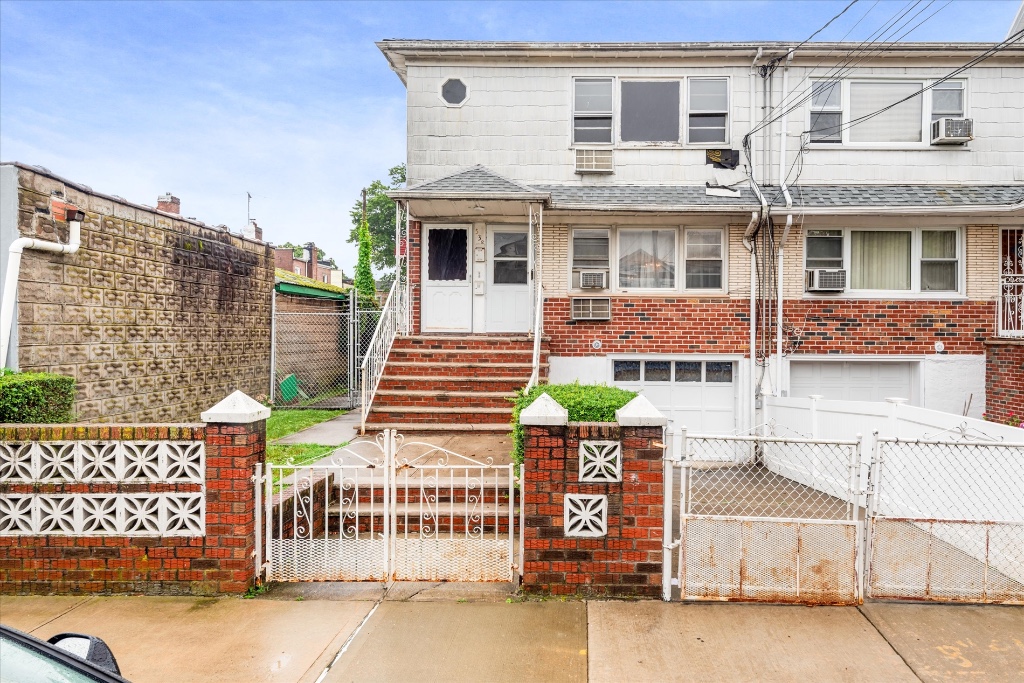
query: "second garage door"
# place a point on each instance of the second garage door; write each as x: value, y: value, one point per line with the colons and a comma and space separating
x: 696, y: 394
x: 854, y: 380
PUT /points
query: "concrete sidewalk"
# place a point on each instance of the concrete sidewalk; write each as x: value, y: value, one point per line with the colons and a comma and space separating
x: 480, y: 632
x: 333, y: 432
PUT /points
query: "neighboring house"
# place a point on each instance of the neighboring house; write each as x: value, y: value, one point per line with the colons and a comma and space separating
x: 320, y: 270
x: 615, y: 175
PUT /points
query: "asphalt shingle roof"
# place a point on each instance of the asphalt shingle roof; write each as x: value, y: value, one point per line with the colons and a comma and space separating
x: 475, y: 179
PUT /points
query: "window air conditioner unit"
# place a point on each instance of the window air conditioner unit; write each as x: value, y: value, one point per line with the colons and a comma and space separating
x: 593, y: 279
x: 950, y: 131
x: 825, y: 280
x: 591, y: 309
x: 594, y: 161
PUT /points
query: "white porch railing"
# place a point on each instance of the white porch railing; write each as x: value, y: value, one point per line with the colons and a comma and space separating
x: 538, y: 304
x: 393, y: 321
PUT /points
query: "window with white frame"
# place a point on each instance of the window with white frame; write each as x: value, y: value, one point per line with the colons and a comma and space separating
x: 703, y: 258
x: 649, y: 111
x: 826, y: 112
x: 708, y: 115
x: 592, y: 111
x: 948, y: 100
x: 647, y: 259
x: 899, y: 122
x: 914, y: 260
x: 590, y: 253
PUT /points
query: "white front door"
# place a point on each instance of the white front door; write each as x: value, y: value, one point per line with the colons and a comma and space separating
x: 508, y: 281
x: 447, y: 280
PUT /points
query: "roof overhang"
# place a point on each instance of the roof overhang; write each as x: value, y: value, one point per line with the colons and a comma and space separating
x: 302, y: 290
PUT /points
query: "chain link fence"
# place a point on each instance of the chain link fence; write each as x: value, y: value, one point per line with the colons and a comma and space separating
x: 947, y: 521
x: 317, y: 356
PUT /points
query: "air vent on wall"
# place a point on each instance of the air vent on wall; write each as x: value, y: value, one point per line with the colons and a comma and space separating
x: 591, y: 308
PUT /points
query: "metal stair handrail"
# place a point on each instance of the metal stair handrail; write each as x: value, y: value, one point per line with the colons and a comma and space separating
x: 392, y: 322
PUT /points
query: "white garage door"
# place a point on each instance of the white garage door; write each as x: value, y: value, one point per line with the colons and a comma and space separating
x: 853, y: 380
x: 698, y: 395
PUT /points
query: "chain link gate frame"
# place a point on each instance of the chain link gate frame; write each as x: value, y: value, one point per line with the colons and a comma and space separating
x: 316, y: 356
x: 397, y: 511
x: 765, y: 519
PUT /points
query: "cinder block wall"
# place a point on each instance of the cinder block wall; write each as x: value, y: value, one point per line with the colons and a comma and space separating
x: 626, y: 561
x: 155, y: 316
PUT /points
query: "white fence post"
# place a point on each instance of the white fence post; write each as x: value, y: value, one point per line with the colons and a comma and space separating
x: 814, y: 414
x: 668, y: 450
x: 894, y: 415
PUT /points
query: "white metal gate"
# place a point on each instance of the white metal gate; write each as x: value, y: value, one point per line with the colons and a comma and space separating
x: 388, y: 510
x: 766, y: 519
x: 947, y: 521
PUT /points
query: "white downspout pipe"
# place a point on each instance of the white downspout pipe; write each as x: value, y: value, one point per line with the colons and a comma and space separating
x: 748, y: 243
x: 753, y: 106
x: 785, y: 233
x: 13, y: 270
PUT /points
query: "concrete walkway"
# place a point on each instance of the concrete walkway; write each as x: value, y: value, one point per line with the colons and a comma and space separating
x: 480, y: 632
x: 333, y: 432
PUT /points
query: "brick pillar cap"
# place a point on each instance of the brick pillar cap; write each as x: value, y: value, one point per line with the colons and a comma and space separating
x: 544, y: 411
x: 237, y: 408
x: 640, y: 413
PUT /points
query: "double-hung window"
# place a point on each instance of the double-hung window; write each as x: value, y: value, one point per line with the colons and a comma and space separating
x: 592, y: 111
x: 704, y: 258
x: 826, y: 111
x: 886, y: 111
x: 948, y: 100
x: 912, y: 260
x: 647, y: 259
x: 708, y: 115
x: 590, y: 253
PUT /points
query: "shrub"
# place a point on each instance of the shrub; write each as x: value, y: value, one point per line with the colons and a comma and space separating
x: 36, y: 398
x: 585, y: 403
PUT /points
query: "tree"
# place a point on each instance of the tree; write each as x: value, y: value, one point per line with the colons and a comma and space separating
x: 380, y: 218
x: 364, y: 283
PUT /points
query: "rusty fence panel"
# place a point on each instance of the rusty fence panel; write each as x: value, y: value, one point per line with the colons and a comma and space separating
x: 946, y: 521
x: 769, y: 519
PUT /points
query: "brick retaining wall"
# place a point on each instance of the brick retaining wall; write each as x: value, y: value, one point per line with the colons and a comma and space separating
x: 1004, y: 379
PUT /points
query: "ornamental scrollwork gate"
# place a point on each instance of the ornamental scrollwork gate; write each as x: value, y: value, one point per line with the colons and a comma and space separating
x: 385, y: 510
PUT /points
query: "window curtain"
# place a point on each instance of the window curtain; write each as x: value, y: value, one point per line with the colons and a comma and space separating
x: 647, y: 259
x: 902, y: 123
x: 881, y: 260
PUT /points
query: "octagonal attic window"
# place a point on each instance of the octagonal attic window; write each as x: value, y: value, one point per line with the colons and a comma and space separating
x: 454, y: 92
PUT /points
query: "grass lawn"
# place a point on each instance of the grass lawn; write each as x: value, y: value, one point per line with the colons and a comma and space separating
x: 283, y: 422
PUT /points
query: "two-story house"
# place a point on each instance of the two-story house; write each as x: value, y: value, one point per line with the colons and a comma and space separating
x: 707, y: 223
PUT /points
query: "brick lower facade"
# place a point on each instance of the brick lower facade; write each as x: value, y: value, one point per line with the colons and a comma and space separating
x: 625, y: 562
x: 221, y: 561
x: 1004, y: 380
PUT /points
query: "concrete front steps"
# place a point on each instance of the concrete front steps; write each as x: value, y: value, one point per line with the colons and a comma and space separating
x: 452, y: 383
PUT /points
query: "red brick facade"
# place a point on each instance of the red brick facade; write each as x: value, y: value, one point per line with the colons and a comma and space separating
x: 679, y: 325
x: 1004, y: 380
x: 222, y: 561
x: 625, y: 562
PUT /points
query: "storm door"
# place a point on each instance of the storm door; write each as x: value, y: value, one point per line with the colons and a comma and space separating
x: 508, y: 280
x: 447, y: 285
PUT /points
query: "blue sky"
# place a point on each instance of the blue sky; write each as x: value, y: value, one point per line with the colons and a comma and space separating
x: 293, y: 102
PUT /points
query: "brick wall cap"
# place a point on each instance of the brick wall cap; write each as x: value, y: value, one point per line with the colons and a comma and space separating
x: 640, y: 413
x: 237, y: 408
x: 1002, y: 341
x: 544, y: 411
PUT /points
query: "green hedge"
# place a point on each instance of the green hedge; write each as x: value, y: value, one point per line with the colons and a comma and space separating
x: 36, y: 398
x: 584, y: 402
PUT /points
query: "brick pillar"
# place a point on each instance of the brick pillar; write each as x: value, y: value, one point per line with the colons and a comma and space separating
x: 236, y: 439
x: 613, y: 545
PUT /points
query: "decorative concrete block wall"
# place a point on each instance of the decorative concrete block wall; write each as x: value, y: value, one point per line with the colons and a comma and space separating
x: 154, y: 315
x: 593, y: 497
x: 157, y: 509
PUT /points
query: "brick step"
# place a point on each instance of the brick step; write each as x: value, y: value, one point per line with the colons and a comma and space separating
x: 469, y: 400
x: 460, y: 370
x: 507, y: 385
x: 464, y: 342
x: 444, y: 415
x: 462, y: 356
x: 377, y: 424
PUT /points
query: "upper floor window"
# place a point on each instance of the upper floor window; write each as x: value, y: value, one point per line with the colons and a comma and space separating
x: 650, y: 111
x: 454, y: 92
x: 708, y: 117
x: 948, y: 100
x: 826, y: 111
x: 874, y: 122
x: 592, y: 110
